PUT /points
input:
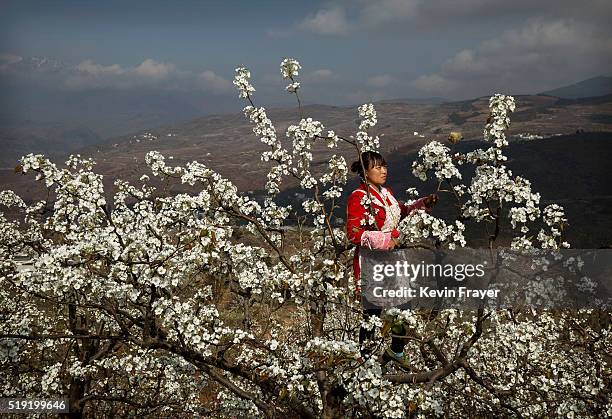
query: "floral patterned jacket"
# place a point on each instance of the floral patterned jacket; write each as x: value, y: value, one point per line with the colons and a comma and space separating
x: 388, y: 211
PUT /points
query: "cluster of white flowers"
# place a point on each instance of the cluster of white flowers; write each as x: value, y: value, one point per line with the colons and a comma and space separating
x: 521, y: 243
x: 367, y: 388
x: 262, y: 126
x: 234, y: 406
x: 308, y: 181
x: 367, y: 113
x: 335, y: 348
x: 17, y: 321
x: 176, y: 380
x: 551, y: 239
x: 551, y: 236
x: 554, y: 214
x: 311, y: 206
x: 435, y: 156
x: 479, y: 156
x: 51, y: 383
x: 157, y: 162
x: 369, y: 219
x: 242, y: 80
x: 495, y: 130
x: 293, y: 87
x: 274, y: 214
x: 419, y: 225
x: 332, y: 139
x: 407, y: 317
x: 250, y: 269
x: 526, y: 352
x: 336, y: 176
x: 289, y: 68
x: 366, y: 142
x: 192, y: 295
x: 303, y: 136
x: 412, y: 193
x: 264, y: 129
x: 496, y: 184
x: 10, y: 199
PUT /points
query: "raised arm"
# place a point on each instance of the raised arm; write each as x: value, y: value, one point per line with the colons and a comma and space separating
x: 416, y: 205
x: 426, y: 203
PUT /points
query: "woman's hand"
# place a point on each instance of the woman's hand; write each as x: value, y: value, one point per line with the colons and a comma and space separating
x: 431, y: 200
x: 393, y: 243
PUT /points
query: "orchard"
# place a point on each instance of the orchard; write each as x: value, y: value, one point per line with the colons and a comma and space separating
x: 213, y: 304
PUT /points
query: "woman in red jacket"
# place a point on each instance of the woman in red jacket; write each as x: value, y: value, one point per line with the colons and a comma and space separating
x: 375, y: 225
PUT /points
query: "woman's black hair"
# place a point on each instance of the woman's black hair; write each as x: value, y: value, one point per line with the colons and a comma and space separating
x: 370, y: 159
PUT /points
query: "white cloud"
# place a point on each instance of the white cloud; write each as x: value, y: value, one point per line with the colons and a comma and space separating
x: 149, y: 73
x: 434, y: 84
x: 524, y: 60
x: 321, y: 75
x: 424, y: 14
x: 383, y: 12
x: 446, y: 16
x: 88, y: 74
x: 326, y: 22
x: 155, y: 70
x: 381, y: 80
x: 209, y: 81
x: 90, y: 67
x: 9, y: 59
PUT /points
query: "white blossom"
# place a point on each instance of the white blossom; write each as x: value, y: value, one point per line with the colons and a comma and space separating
x: 243, y: 83
x: 212, y: 302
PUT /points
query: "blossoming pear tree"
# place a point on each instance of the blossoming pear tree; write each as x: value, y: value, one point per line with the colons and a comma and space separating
x: 212, y: 304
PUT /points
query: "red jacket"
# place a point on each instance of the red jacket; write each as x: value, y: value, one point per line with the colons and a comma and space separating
x: 355, y: 212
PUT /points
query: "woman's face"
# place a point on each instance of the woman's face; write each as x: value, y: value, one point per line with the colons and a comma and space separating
x: 377, y: 174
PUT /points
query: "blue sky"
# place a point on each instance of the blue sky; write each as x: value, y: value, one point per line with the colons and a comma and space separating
x: 351, y: 51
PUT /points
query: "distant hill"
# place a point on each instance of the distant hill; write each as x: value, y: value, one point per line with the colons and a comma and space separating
x: 21, y: 137
x: 562, y: 145
x: 227, y: 144
x: 596, y: 86
x: 424, y: 101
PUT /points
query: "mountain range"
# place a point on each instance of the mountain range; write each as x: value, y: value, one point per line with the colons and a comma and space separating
x: 562, y: 144
x: 37, y: 116
x: 595, y: 86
